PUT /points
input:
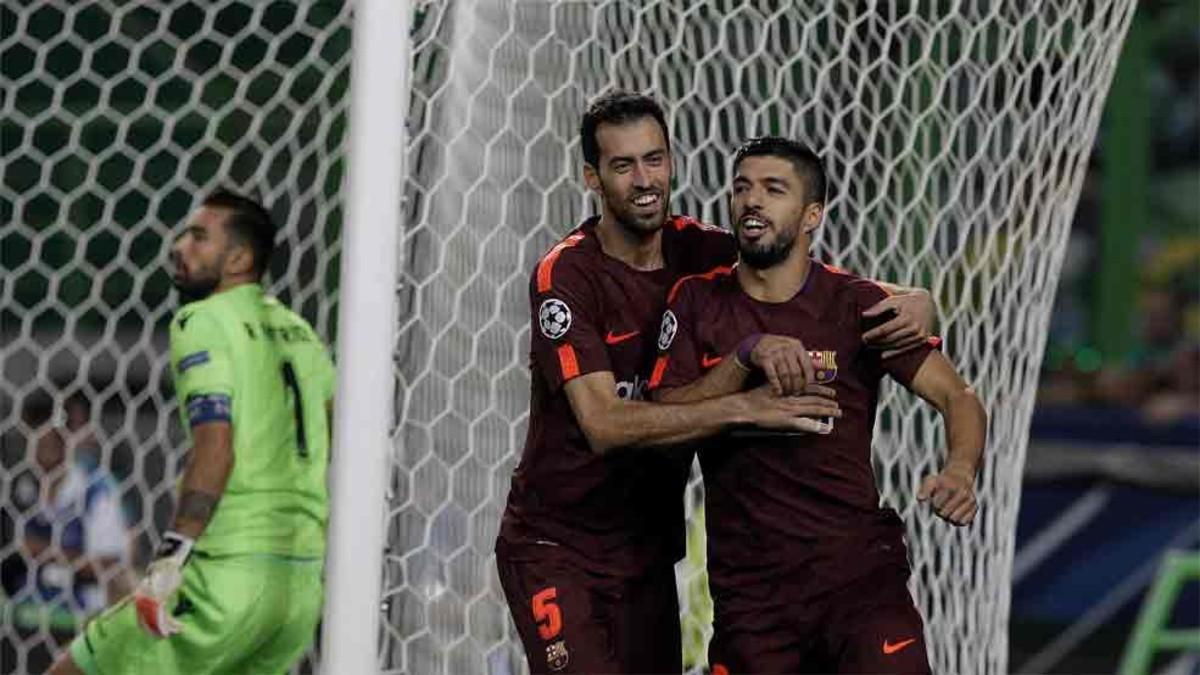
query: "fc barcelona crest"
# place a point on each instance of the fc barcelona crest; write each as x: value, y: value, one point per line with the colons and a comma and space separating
x: 557, y: 656
x: 824, y: 365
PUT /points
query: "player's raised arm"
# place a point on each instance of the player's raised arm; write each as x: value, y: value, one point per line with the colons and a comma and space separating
x: 951, y: 491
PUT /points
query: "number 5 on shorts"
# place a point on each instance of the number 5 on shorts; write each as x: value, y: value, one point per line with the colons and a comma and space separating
x: 546, y: 613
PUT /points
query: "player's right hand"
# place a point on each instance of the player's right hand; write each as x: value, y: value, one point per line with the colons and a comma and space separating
x: 811, y: 412
x: 786, y: 363
x: 159, y: 586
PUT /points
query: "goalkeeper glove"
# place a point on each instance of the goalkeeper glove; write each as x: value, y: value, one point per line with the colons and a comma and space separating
x: 162, y: 580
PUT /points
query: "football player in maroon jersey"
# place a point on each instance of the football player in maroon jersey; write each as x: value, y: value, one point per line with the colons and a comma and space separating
x: 594, y: 521
x: 807, y: 572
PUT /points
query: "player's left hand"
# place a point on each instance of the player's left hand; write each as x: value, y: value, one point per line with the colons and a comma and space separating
x: 158, y: 588
x: 952, y: 495
x: 785, y: 362
x: 911, y: 323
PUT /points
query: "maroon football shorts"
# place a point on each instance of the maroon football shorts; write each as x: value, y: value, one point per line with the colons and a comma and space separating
x: 572, y: 620
x: 868, y: 626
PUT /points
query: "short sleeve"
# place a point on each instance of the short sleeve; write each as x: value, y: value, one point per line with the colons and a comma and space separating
x: 679, y: 358
x: 202, y: 363
x: 902, y: 367
x: 566, y: 323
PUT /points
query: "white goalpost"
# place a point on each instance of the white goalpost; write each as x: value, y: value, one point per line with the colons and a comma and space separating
x: 956, y: 134
x: 367, y: 319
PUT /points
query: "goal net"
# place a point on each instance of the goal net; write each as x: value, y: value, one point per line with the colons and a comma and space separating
x: 115, y: 118
x: 956, y: 134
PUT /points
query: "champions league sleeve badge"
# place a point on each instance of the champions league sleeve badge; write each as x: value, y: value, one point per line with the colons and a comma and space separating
x: 666, y: 333
x: 554, y: 318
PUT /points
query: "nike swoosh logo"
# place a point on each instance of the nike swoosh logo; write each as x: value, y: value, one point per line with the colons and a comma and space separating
x: 889, y: 648
x: 617, y: 338
x: 707, y: 361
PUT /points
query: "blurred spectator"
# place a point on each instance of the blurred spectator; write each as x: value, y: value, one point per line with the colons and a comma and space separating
x: 1130, y: 383
x: 1175, y: 85
x: 83, y: 440
x: 1159, y: 378
x: 1179, y: 396
x: 75, y: 541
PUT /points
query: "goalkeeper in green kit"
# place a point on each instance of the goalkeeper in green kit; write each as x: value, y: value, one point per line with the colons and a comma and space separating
x: 236, y: 584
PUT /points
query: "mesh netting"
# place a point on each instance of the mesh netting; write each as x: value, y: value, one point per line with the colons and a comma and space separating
x: 956, y: 135
x: 955, y: 132
x: 116, y: 118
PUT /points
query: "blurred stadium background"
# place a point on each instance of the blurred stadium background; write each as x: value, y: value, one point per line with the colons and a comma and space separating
x: 1112, y: 477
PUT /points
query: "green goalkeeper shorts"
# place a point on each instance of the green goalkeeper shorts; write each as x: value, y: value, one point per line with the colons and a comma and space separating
x: 240, y: 614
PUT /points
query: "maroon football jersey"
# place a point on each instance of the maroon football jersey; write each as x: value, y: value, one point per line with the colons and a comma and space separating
x: 591, y: 312
x: 776, y: 499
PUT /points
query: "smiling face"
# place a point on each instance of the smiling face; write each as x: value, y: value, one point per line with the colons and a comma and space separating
x: 632, y: 175
x: 772, y: 210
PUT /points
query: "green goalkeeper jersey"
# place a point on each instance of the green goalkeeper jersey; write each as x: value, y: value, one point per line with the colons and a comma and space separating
x: 241, y: 356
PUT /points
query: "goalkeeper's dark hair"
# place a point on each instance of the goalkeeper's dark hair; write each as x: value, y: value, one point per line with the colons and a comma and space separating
x: 248, y: 223
x: 617, y: 107
x: 807, y: 163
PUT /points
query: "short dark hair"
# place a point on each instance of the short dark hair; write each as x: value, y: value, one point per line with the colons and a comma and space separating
x: 249, y: 222
x: 807, y: 163
x: 617, y: 107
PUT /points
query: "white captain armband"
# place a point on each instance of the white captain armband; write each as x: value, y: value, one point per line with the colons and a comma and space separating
x: 203, y: 408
